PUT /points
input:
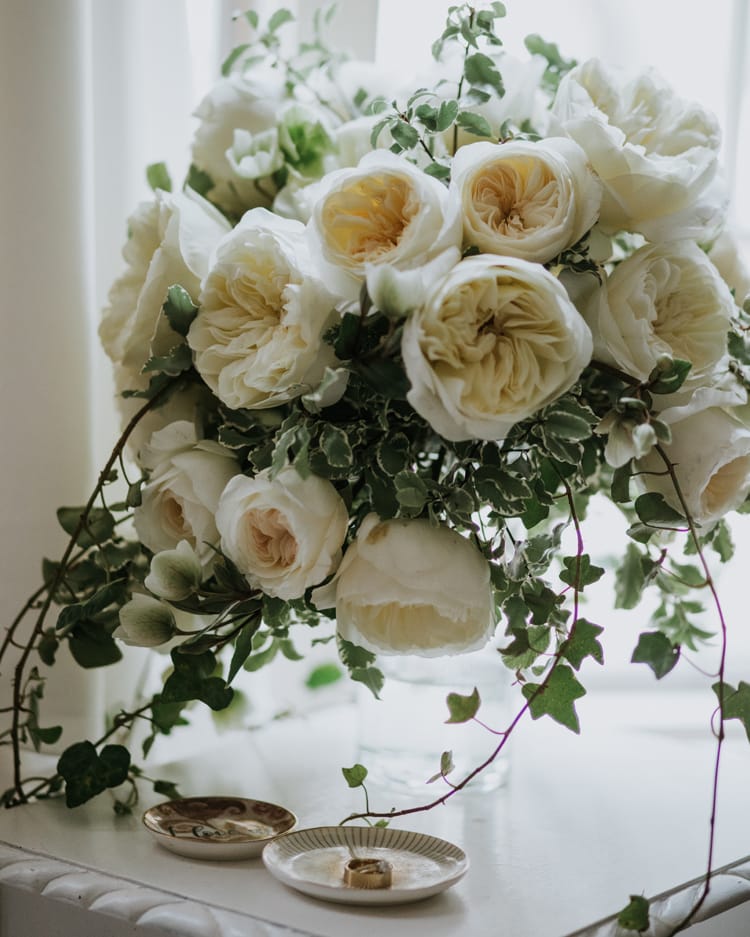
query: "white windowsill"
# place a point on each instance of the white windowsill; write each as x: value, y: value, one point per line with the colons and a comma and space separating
x: 585, y: 821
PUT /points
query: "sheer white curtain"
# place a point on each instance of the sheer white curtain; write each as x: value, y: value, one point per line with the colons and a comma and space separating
x: 90, y: 92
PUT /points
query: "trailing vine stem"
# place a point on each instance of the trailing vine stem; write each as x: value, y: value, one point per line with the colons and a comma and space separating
x: 719, y: 732
x: 124, y: 720
x: 52, y: 586
x: 505, y: 734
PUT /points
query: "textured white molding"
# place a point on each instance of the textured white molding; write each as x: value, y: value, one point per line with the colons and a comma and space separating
x: 156, y: 911
x: 730, y: 886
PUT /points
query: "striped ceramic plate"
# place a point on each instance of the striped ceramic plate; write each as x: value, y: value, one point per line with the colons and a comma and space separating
x: 313, y: 862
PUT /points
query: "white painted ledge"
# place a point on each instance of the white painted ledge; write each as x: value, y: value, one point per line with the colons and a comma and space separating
x: 585, y: 821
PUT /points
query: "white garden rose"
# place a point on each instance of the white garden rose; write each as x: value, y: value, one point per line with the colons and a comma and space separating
x: 655, y: 153
x: 726, y: 257
x: 525, y: 199
x: 284, y: 533
x: 187, y: 476
x: 385, y: 210
x: 240, y: 106
x: 710, y: 451
x: 665, y: 300
x: 493, y: 341
x: 263, y: 311
x: 170, y: 242
x: 408, y: 587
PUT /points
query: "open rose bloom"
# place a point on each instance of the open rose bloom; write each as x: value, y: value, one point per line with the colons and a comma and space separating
x: 393, y: 349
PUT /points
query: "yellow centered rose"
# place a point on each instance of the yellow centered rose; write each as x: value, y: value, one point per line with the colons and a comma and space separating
x: 522, y: 199
x: 408, y: 587
x: 384, y: 211
x: 493, y: 341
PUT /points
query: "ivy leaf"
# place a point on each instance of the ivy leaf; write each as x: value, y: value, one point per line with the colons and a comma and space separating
x: 92, y: 645
x: 736, y: 703
x: 87, y: 773
x: 634, y: 916
x: 463, y: 708
x: 352, y: 655
x: 370, y: 677
x: 656, y: 650
x: 355, y: 776
x: 580, y: 572
x: 100, y: 525
x: 584, y: 644
x: 556, y: 698
x: 632, y: 577
x: 654, y: 511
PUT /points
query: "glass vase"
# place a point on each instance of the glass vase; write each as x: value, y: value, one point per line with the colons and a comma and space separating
x: 403, y: 734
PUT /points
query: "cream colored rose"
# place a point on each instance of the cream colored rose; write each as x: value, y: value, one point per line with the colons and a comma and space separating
x: 236, y: 108
x: 170, y: 243
x: 263, y: 311
x: 664, y: 300
x: 710, y: 450
x: 655, y: 153
x: 386, y: 210
x: 493, y: 341
x: 407, y: 587
x: 187, y: 476
x: 726, y: 257
x: 284, y: 533
x: 522, y: 199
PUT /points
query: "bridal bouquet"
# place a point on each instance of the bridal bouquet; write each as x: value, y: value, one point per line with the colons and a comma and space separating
x: 375, y: 356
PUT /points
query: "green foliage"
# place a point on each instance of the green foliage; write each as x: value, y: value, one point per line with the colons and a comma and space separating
x: 656, y: 650
x: 446, y: 766
x: 359, y: 662
x: 323, y: 675
x: 583, y: 643
x: 557, y: 66
x: 355, y: 775
x: 87, y: 772
x: 157, y: 176
x: 179, y: 309
x: 735, y: 702
x: 556, y: 697
x: 193, y: 678
x: 463, y: 708
x: 635, y: 916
